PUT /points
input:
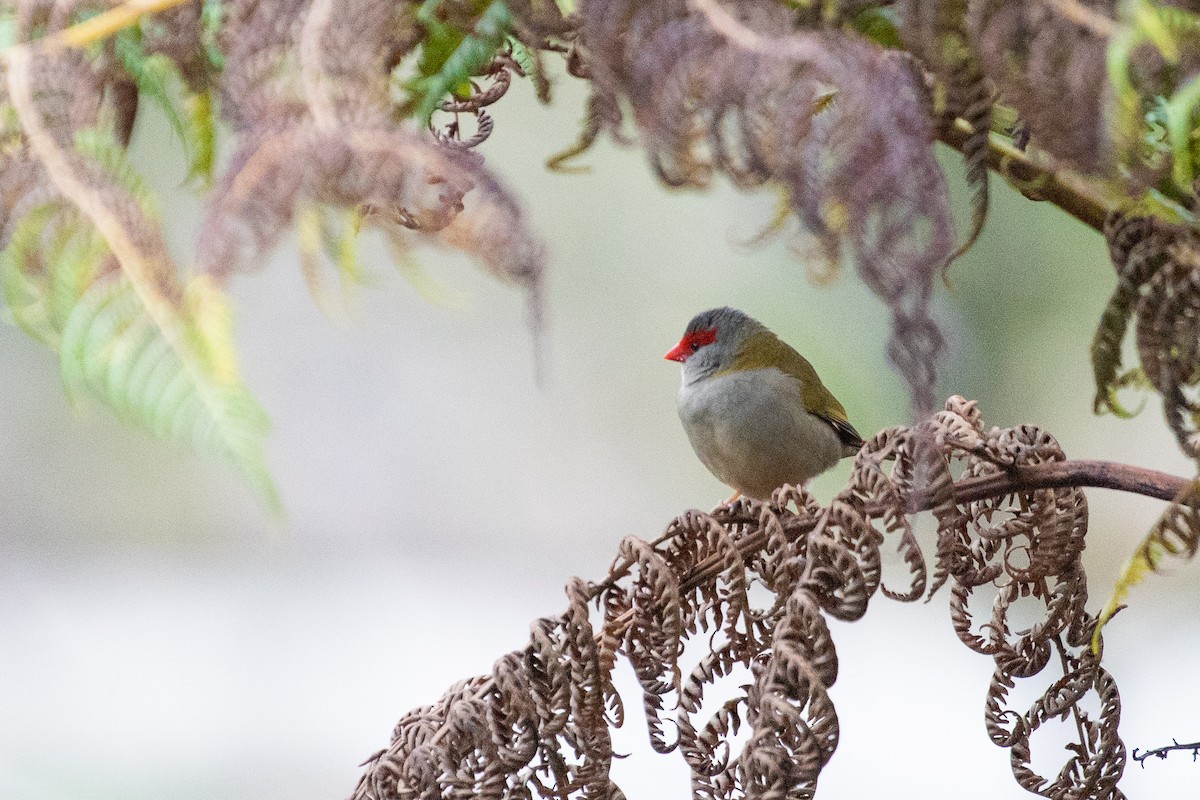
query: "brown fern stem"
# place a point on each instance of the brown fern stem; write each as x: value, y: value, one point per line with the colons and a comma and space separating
x: 1056, y: 475
x: 1038, y: 179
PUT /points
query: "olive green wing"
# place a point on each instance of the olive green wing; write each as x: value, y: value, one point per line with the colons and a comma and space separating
x: 765, y: 349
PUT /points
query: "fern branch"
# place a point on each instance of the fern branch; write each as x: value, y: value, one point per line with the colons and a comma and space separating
x: 1056, y: 475
x: 1036, y: 177
x: 205, y: 377
x: 1091, y: 473
x: 140, y: 271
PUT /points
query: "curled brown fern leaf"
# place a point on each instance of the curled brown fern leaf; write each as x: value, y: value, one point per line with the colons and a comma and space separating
x: 937, y: 35
x: 684, y: 600
x: 1049, y: 66
x: 335, y: 115
x: 1157, y: 266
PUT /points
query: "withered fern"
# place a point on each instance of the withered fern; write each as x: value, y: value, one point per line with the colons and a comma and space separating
x: 1157, y: 267
x: 538, y: 725
x: 378, y: 110
x: 308, y: 96
x: 844, y: 125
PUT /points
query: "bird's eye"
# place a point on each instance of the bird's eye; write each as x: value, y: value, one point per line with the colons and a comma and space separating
x: 695, y: 346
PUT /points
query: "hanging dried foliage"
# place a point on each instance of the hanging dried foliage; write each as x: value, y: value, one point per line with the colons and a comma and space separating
x: 937, y: 34
x: 374, y: 113
x: 305, y: 85
x: 1048, y: 65
x: 308, y: 90
x: 541, y: 723
x: 1158, y: 271
x: 843, y: 124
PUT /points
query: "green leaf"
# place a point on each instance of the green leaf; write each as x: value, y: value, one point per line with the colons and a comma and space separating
x: 879, y: 25
x: 211, y: 14
x: 173, y: 382
x: 202, y: 121
x: 449, y: 57
x: 1175, y: 534
x: 159, y: 79
x: 99, y: 146
x: 1180, y: 114
x: 1146, y: 127
x: 51, y: 259
x: 328, y: 233
x: 22, y: 277
x: 8, y: 27
x: 521, y: 55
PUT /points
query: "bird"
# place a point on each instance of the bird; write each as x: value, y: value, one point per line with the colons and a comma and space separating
x: 754, y: 409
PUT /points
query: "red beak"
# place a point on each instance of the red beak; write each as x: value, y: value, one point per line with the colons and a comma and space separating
x: 690, y: 343
x: 679, y: 352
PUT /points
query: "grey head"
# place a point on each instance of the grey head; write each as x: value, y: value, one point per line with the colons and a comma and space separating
x: 712, y: 340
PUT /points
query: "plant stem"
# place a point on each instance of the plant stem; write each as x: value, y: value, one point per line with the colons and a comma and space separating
x: 1036, y: 177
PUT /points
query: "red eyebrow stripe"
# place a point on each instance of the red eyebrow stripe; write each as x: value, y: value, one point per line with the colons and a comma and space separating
x: 702, y: 337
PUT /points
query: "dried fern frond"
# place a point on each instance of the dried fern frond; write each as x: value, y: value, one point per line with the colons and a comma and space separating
x: 1049, y: 67
x: 936, y: 32
x: 537, y: 725
x: 390, y: 175
x: 336, y: 116
x: 844, y: 125
x: 1157, y: 266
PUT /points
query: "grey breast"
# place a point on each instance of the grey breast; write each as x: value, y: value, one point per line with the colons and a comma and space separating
x: 750, y: 432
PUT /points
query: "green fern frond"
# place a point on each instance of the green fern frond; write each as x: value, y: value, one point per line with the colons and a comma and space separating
x: 449, y: 56
x: 329, y: 234
x: 419, y: 278
x: 211, y: 331
x: 1176, y: 533
x: 202, y: 122
x: 211, y: 15
x: 1180, y: 113
x: 99, y: 146
x: 879, y: 25
x: 1154, y: 124
x: 522, y: 55
x: 47, y: 266
x: 1106, y: 351
x: 8, y: 26
x: 189, y: 114
x: 22, y: 277
x: 114, y: 352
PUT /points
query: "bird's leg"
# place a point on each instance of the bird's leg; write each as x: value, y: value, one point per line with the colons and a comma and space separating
x: 732, y: 498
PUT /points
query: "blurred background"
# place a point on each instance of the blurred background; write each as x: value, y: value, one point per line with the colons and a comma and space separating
x: 162, y: 637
